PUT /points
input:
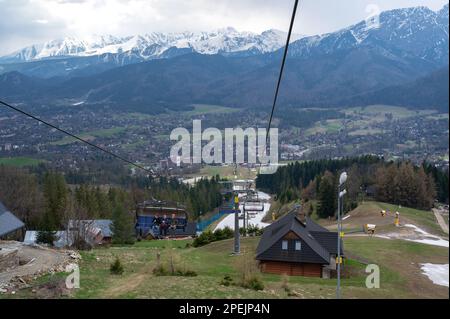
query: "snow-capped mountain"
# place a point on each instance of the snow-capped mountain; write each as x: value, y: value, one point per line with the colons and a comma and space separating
x: 418, y: 31
x: 155, y: 45
x: 403, y: 60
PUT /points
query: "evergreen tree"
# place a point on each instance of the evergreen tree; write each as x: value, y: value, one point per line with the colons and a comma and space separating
x: 55, y: 195
x: 122, y: 226
x: 327, y: 196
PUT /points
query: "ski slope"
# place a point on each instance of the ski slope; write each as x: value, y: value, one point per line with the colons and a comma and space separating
x: 228, y: 221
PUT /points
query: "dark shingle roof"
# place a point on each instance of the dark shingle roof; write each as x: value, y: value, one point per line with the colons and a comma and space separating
x: 319, y: 239
x: 8, y: 222
x: 328, y: 240
x: 2, y: 208
x: 274, y: 232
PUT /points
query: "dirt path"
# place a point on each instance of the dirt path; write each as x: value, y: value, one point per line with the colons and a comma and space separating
x: 441, y: 220
x: 125, y: 285
x: 38, y: 260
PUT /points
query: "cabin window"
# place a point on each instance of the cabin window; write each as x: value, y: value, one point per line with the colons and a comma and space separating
x: 284, y: 245
x: 298, y: 245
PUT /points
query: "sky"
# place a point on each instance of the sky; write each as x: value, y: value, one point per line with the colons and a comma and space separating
x: 26, y: 22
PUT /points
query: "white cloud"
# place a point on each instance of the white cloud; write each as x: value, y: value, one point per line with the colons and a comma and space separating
x: 30, y: 21
x: 41, y: 21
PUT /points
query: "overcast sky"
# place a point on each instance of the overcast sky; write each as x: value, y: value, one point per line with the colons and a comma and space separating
x: 24, y: 22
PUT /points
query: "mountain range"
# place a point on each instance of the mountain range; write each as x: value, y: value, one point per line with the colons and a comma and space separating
x: 70, y: 55
x: 403, y: 61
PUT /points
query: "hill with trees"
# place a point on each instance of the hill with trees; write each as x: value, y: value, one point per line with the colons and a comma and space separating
x: 399, y: 183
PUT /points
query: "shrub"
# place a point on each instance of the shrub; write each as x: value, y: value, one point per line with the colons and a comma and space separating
x: 160, y: 271
x: 253, y: 282
x: 226, y: 281
x: 188, y: 273
x: 254, y: 231
x: 228, y: 232
x: 208, y: 237
x: 204, y: 239
x: 285, y: 284
x: 222, y: 234
x: 116, y: 267
x: 249, y: 272
x: 46, y: 237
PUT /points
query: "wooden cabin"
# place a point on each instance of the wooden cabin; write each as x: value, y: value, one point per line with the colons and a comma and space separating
x: 297, y: 246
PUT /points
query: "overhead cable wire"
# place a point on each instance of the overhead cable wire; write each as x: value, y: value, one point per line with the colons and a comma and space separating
x: 14, y: 108
x: 286, y: 48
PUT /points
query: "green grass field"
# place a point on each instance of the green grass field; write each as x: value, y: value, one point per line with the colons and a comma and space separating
x: 225, y: 172
x: 20, y: 161
x: 91, y: 135
x: 369, y: 213
x: 377, y: 112
x: 399, y: 262
x: 200, y: 109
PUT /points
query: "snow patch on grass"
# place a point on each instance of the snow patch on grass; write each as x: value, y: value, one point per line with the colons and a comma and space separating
x: 429, y: 239
x: 438, y: 274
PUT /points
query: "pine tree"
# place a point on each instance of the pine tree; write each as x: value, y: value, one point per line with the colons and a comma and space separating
x: 122, y: 226
x: 327, y: 198
x: 55, y: 195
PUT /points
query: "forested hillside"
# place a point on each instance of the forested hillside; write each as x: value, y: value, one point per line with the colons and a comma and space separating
x: 400, y: 183
x: 47, y: 201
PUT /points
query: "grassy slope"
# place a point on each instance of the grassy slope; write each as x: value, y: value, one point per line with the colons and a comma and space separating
x: 213, y: 262
x: 399, y: 262
x: 369, y: 213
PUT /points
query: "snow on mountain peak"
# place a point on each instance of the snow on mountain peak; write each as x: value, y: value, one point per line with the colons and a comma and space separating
x: 154, y: 44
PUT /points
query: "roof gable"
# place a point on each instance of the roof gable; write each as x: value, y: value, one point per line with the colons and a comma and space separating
x: 8, y: 221
x: 318, y: 238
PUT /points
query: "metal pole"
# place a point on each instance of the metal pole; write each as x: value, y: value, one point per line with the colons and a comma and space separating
x: 244, y: 225
x: 338, y: 288
x: 237, y: 240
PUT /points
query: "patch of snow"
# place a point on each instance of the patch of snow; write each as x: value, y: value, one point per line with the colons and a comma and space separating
x: 383, y: 237
x: 429, y: 240
x: 193, y: 180
x: 422, y: 237
x: 438, y: 274
x: 255, y: 219
x: 417, y: 229
x: 433, y: 242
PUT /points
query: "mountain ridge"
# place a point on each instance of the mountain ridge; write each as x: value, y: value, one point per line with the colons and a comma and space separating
x: 153, y: 45
x: 331, y: 71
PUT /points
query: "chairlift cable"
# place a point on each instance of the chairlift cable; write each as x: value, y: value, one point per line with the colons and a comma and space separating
x: 137, y: 165
x: 286, y: 48
x: 76, y: 137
